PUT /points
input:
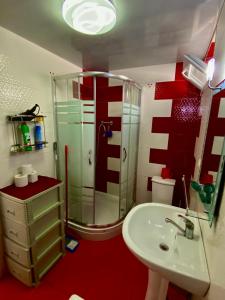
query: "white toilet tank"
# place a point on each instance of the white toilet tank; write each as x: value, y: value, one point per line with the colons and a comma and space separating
x: 162, y: 190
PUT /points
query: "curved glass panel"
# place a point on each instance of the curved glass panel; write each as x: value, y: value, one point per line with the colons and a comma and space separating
x: 97, y: 125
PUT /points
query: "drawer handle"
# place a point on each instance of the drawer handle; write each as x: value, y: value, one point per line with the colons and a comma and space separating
x: 11, y: 212
x: 15, y: 272
x: 14, y: 254
x: 13, y: 232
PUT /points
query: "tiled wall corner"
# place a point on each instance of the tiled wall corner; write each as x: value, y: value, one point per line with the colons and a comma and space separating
x: 113, y: 164
x: 115, y: 109
x: 113, y: 188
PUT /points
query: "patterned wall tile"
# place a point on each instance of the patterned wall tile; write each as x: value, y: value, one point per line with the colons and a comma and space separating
x: 113, y: 164
x: 171, y: 112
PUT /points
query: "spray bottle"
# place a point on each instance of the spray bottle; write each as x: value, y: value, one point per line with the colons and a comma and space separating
x: 26, y: 136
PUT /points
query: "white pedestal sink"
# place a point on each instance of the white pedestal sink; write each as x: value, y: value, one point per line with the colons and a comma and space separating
x: 168, y: 254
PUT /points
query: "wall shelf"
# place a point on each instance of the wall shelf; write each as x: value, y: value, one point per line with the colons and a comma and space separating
x: 21, y: 148
x: 18, y: 145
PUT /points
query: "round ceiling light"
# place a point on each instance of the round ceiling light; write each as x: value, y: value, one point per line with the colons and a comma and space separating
x: 89, y: 16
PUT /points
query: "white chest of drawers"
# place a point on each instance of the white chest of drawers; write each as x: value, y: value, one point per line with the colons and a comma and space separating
x: 33, y: 229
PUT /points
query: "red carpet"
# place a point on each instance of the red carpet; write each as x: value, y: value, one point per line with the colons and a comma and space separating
x: 103, y: 270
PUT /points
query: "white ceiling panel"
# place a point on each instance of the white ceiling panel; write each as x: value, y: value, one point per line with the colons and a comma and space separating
x: 148, y: 32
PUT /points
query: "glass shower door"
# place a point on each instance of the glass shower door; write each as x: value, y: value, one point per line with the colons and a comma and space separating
x: 69, y: 129
x: 124, y: 151
x: 133, y: 145
x: 75, y: 135
x: 129, y: 147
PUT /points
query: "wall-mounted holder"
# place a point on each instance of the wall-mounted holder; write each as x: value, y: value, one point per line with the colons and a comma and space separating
x: 18, y: 143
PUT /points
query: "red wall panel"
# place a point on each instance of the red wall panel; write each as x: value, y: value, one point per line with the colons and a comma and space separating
x: 216, y: 127
x: 182, y: 127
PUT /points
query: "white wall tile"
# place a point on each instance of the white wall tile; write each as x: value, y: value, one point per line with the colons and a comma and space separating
x: 155, y: 169
x: 42, y: 161
x: 115, y: 109
x: 221, y: 113
x: 150, y: 108
x: 144, y: 167
x: 115, y: 139
x: 161, y: 108
x: 217, y: 145
x: 159, y: 140
x: 113, y: 164
x: 143, y: 159
x: 32, y: 70
x: 113, y: 188
x: 142, y: 194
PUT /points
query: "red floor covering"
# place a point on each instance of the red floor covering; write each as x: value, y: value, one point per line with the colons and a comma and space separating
x: 103, y: 270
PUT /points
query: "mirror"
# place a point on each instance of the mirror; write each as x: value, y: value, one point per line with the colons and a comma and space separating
x: 210, y: 148
x: 213, y: 157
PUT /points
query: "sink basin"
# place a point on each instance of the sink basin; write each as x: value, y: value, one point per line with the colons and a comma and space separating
x: 164, y: 249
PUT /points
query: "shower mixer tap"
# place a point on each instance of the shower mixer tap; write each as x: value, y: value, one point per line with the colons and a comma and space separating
x: 107, y: 122
x: 90, y: 157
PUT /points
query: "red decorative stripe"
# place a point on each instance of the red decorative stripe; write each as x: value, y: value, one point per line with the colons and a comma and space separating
x: 161, y: 125
x: 174, y: 90
x: 113, y: 176
x: 149, y: 184
x: 158, y: 156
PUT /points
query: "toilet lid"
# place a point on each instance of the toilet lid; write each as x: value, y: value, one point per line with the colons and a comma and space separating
x: 159, y: 179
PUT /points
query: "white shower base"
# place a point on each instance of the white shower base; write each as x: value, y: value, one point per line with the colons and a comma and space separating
x: 106, y: 217
x: 106, y: 208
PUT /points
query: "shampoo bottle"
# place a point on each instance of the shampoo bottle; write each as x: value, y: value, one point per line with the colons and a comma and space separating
x: 38, y: 133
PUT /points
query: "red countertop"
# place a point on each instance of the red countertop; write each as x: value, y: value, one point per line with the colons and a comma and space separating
x: 32, y: 189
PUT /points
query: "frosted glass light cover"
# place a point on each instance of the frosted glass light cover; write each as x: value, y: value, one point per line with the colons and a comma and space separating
x: 210, y: 69
x: 89, y: 16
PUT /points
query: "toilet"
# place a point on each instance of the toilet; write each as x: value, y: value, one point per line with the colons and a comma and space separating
x: 162, y: 190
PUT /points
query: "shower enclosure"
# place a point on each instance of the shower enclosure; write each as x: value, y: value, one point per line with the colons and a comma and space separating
x: 97, y: 127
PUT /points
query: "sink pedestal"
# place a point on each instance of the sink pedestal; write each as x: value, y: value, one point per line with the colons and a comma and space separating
x: 157, y: 286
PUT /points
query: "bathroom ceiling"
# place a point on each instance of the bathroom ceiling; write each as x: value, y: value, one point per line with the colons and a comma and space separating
x: 148, y: 32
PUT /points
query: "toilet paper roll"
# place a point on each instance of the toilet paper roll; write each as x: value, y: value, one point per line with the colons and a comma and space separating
x: 20, y: 180
x: 26, y: 169
x: 33, y: 177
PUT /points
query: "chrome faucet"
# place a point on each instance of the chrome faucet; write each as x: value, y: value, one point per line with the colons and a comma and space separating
x: 188, y: 232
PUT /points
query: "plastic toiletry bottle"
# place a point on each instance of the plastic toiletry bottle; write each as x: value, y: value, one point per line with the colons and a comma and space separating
x: 26, y: 136
x: 38, y: 133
